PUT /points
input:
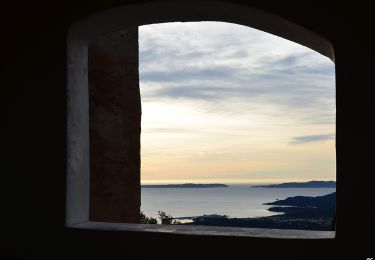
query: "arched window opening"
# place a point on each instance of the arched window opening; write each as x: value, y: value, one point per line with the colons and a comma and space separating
x: 103, y: 178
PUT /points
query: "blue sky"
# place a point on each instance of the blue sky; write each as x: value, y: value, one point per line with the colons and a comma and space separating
x: 229, y: 103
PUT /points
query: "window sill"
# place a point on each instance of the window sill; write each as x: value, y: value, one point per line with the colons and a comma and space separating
x: 208, y: 230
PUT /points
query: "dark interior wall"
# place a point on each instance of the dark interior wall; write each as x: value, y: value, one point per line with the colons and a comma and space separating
x: 115, y: 128
x: 33, y: 104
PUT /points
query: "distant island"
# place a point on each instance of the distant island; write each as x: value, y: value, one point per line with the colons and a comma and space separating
x: 309, y: 184
x: 185, y: 185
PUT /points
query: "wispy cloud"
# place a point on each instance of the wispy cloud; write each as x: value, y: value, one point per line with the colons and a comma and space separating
x: 166, y: 130
x: 312, y: 138
x: 219, y: 61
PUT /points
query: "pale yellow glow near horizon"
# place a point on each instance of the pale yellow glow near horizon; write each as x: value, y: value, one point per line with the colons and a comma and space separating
x: 228, y: 138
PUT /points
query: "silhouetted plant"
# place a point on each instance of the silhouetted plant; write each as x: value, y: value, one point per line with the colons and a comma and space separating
x: 167, y: 219
x: 147, y: 220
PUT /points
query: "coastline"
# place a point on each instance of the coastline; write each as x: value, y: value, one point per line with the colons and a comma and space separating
x: 299, y: 212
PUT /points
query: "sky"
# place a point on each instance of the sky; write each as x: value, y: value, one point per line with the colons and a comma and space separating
x: 226, y: 103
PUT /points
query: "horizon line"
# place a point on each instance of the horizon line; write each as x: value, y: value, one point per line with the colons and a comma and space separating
x: 147, y: 182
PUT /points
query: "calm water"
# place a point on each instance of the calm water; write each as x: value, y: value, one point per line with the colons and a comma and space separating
x: 234, y: 201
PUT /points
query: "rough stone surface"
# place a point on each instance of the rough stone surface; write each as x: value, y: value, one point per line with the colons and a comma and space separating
x: 115, y: 125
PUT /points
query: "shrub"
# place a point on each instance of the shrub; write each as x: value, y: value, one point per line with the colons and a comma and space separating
x: 147, y: 220
x: 167, y: 219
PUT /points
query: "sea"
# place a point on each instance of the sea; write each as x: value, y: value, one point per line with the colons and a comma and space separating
x: 241, y: 201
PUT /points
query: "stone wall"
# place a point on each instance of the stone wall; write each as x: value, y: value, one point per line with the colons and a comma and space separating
x: 115, y: 125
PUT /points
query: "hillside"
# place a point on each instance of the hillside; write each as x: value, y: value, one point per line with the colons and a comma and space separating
x: 309, y: 184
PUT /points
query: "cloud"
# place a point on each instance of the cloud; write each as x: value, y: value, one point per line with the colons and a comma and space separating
x: 166, y: 130
x: 188, y: 74
x: 211, y: 62
x: 312, y: 138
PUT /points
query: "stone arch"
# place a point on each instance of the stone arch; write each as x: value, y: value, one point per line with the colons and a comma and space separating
x: 113, y: 21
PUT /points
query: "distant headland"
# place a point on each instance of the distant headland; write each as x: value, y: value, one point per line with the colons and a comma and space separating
x: 186, y: 185
x: 302, y: 212
x: 309, y: 184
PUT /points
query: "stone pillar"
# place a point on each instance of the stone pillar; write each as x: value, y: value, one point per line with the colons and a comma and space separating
x: 115, y: 126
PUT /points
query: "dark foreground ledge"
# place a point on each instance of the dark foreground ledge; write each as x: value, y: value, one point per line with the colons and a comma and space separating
x: 208, y: 230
